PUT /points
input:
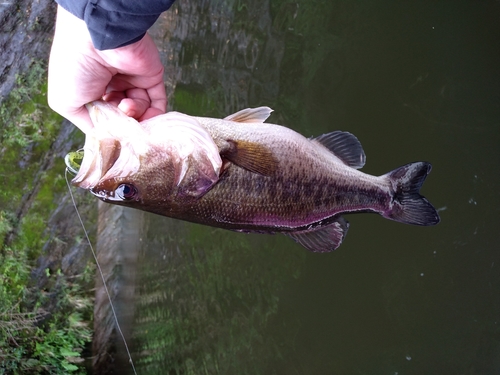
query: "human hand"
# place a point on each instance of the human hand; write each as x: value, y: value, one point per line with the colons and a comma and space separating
x: 131, y: 77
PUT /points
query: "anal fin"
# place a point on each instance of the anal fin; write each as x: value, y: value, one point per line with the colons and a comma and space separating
x: 322, y: 239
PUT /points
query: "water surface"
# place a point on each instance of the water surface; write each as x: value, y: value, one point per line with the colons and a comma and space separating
x: 413, y: 81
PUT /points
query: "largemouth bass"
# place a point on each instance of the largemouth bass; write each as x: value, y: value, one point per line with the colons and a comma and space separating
x: 243, y: 174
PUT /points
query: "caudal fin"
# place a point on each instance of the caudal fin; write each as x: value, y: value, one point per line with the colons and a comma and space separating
x: 407, y: 205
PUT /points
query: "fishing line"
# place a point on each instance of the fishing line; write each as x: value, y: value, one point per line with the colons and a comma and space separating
x: 100, y: 271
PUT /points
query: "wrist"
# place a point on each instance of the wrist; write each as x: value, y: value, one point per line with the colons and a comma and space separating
x: 71, y: 30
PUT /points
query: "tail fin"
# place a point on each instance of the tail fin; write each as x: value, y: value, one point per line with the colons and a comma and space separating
x: 407, y: 205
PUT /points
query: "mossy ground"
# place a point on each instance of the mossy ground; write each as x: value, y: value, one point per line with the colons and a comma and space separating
x: 42, y: 330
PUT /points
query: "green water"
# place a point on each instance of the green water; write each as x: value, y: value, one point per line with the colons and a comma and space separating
x: 413, y: 80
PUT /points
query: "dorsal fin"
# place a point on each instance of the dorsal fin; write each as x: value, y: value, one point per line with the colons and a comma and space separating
x: 259, y: 114
x: 251, y: 156
x: 345, y: 146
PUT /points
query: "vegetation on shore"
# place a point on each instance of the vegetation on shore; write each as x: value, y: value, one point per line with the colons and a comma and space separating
x: 42, y: 329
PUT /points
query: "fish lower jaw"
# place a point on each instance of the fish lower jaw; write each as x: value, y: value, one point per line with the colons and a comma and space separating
x: 106, y: 196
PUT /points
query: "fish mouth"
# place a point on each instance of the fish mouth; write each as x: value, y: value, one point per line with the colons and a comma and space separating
x: 105, y: 195
x: 111, y: 148
x: 98, y: 157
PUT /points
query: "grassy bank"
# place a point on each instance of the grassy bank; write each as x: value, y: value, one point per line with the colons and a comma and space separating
x: 43, y: 325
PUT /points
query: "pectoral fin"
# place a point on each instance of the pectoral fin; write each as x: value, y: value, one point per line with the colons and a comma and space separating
x: 251, y: 156
x: 195, y: 176
x: 196, y: 187
x: 322, y: 239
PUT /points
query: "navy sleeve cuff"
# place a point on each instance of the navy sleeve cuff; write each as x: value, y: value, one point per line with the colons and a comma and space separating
x: 114, y: 24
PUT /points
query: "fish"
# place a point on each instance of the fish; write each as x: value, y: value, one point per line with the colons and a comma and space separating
x: 243, y: 174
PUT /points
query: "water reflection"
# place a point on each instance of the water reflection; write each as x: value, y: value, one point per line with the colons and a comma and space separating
x: 119, y: 236
x: 393, y: 299
x: 206, y: 297
x: 219, y: 56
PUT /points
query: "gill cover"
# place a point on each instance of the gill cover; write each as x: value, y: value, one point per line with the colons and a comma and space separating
x: 196, y: 157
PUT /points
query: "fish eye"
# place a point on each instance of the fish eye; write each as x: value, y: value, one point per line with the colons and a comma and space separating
x: 126, y: 192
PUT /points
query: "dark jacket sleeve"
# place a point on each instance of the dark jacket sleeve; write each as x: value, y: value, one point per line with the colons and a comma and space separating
x: 113, y: 23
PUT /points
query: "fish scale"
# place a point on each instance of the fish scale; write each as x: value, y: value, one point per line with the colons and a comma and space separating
x: 290, y: 208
